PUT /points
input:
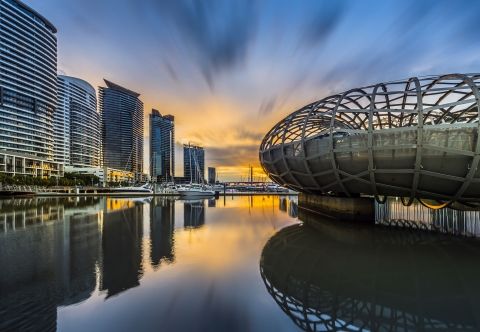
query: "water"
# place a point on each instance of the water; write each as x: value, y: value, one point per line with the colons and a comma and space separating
x: 233, y: 264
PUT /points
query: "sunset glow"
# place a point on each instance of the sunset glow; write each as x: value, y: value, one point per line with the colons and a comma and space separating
x: 229, y: 70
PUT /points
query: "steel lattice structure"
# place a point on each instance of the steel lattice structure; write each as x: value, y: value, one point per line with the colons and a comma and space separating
x: 414, y: 138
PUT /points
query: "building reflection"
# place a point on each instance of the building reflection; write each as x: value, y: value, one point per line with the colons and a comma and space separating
x: 193, y: 213
x: 282, y: 204
x: 122, y: 234
x: 288, y: 204
x: 344, y: 277
x: 212, y: 202
x: 162, y: 226
x: 48, y: 253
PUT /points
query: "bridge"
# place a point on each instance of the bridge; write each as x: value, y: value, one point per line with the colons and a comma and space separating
x: 415, y: 139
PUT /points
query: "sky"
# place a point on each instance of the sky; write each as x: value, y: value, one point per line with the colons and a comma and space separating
x: 228, y: 70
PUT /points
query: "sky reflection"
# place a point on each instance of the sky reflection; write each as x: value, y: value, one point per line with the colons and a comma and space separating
x: 98, y: 264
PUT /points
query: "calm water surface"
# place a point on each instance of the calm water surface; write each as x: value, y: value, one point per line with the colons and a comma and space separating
x: 233, y: 264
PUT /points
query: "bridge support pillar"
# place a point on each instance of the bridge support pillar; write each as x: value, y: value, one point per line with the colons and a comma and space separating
x: 358, y: 209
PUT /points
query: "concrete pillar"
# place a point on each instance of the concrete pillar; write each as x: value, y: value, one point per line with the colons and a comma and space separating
x: 358, y: 209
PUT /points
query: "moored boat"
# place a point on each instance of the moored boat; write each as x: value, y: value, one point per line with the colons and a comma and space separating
x: 195, y: 190
x: 143, y: 189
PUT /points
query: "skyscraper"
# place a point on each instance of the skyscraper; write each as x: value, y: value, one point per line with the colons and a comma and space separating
x: 193, y: 163
x: 77, y: 129
x: 121, y: 113
x: 28, y: 92
x: 162, y: 146
x: 212, y: 175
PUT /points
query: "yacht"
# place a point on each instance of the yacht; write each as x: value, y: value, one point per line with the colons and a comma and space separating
x: 195, y: 190
x: 143, y: 189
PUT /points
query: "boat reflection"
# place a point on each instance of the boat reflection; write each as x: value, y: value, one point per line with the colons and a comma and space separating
x: 193, y: 213
x: 344, y: 277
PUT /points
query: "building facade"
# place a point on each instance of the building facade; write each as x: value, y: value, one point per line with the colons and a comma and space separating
x: 212, y: 175
x: 28, y: 92
x: 106, y: 175
x: 77, y: 128
x: 162, y: 146
x: 121, y: 113
x: 194, y: 163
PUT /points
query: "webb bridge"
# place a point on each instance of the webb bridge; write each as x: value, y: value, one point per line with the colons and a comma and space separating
x: 416, y: 139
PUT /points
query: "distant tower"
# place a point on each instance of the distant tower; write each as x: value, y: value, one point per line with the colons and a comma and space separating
x: 77, y: 129
x: 212, y: 175
x: 162, y: 146
x: 193, y: 163
x: 122, y: 128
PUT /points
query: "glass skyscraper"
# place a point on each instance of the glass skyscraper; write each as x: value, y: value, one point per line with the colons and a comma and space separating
x: 212, y: 175
x: 121, y: 113
x: 77, y: 129
x: 194, y: 163
x: 28, y: 91
x: 162, y: 146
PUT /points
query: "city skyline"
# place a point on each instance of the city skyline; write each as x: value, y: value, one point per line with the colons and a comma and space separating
x: 229, y: 72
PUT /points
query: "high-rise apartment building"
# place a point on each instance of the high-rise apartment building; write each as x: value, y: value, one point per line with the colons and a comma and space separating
x: 194, y: 163
x: 77, y: 128
x: 121, y: 113
x: 162, y: 146
x: 28, y: 91
x: 212, y: 175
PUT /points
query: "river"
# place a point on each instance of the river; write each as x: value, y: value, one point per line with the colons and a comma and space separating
x: 243, y: 263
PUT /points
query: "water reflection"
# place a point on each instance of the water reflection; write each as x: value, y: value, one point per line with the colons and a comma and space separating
x: 289, y: 205
x: 344, y: 277
x: 212, y: 202
x: 52, y: 264
x: 139, y: 264
x: 193, y: 213
x: 162, y: 226
x: 122, y: 234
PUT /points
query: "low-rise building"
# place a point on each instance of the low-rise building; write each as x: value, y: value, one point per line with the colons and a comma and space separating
x: 20, y: 164
x: 105, y: 174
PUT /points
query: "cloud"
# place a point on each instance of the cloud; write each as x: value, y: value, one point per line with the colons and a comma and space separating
x: 245, y: 134
x: 267, y: 105
x: 233, y: 155
x: 217, y: 33
x: 319, y: 27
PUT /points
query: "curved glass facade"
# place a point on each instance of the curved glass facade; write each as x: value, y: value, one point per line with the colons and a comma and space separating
x: 28, y: 74
x: 28, y: 92
x: 77, y: 124
x: 121, y: 114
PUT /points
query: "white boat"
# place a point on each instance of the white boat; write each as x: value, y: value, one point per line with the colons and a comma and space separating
x: 168, y: 188
x: 195, y: 190
x: 132, y: 190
